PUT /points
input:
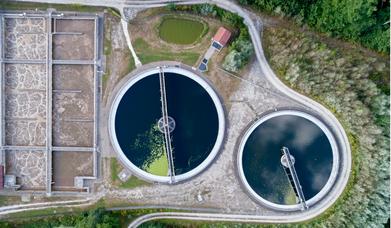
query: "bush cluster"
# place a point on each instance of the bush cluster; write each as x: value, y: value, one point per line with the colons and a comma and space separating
x: 240, y: 52
x: 343, y: 83
x: 98, y: 218
x: 363, y: 21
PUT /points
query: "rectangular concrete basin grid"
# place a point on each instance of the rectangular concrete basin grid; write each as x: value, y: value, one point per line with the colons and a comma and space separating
x: 30, y: 54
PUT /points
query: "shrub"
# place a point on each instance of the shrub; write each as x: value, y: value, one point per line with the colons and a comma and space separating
x: 340, y: 80
x: 240, y: 53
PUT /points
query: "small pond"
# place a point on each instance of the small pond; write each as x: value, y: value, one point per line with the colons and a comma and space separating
x: 180, y: 30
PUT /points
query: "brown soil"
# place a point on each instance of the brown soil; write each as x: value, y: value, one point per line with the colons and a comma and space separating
x: 67, y: 165
x: 78, y: 46
x: 73, y: 105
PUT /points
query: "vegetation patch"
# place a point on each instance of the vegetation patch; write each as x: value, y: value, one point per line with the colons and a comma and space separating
x: 343, y: 81
x: 12, y: 5
x: 133, y: 181
x: 201, y: 224
x: 9, y: 200
x: 363, y: 21
x: 181, y: 30
x: 147, y: 54
x: 95, y: 216
x: 119, y: 61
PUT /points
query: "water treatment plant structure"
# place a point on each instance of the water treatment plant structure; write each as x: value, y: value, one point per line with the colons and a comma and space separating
x: 314, y: 152
x: 224, y: 137
x: 179, y: 121
x: 312, y: 145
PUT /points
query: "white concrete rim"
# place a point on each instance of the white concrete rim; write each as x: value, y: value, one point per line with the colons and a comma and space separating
x: 326, y: 187
x: 220, y: 135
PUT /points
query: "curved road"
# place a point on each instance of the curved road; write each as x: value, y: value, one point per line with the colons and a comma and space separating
x: 254, y: 25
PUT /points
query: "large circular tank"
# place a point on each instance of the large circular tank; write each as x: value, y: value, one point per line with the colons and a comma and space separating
x: 195, y: 123
x: 264, y: 169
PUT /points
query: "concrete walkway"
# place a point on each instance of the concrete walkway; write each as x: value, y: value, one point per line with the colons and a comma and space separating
x: 124, y: 24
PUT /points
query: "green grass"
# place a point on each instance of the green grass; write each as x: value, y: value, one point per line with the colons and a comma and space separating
x: 114, y: 168
x: 131, y: 65
x: 107, y: 46
x: 201, y: 224
x: 148, y: 54
x: 114, y: 12
x: 8, y: 5
x: 133, y: 181
x: 159, y: 166
x: 41, y: 212
x: 7, y: 200
x: 180, y: 30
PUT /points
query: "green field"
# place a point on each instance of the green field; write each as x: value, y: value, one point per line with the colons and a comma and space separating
x: 148, y: 54
x: 133, y: 181
x: 180, y: 30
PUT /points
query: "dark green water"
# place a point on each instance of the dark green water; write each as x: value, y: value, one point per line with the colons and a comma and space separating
x: 306, y: 142
x: 188, y: 103
x: 190, y: 30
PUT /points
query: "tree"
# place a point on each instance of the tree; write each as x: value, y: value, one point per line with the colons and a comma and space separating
x: 98, y: 218
x: 356, y: 20
x: 241, y: 51
x: 233, y: 61
x: 345, y: 18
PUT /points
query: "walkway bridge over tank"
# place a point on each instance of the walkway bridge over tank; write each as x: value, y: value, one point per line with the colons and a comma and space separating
x: 288, y: 161
x: 166, y: 125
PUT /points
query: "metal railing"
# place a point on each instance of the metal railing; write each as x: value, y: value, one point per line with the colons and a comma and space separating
x: 292, y: 176
x: 166, y: 127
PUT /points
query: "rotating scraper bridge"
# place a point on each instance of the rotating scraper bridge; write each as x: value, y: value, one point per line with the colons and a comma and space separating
x: 287, y: 161
x: 166, y: 127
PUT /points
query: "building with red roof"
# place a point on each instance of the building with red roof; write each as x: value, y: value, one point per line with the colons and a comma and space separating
x: 221, y: 38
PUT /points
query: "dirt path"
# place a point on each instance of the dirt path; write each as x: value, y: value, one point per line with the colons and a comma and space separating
x: 118, y: 58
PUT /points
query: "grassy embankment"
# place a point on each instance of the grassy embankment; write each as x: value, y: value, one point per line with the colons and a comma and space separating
x: 147, y: 54
x: 115, y: 168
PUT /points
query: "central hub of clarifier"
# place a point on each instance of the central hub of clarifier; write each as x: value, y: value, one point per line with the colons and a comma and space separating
x: 284, y: 162
x: 170, y: 123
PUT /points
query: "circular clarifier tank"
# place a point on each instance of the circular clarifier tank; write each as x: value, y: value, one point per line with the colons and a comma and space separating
x: 264, y: 169
x: 185, y: 118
